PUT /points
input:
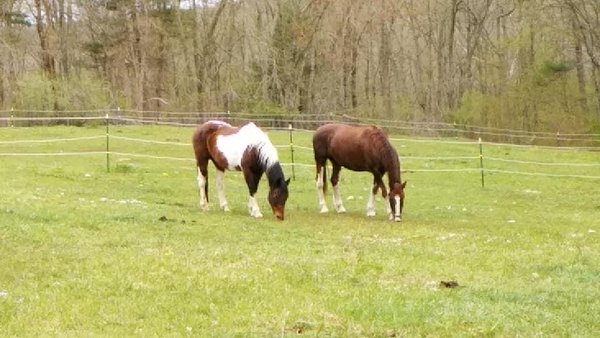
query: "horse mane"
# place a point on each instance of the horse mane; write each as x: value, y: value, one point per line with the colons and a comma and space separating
x: 389, y: 156
x: 218, y: 123
x: 274, y: 173
x: 267, y: 154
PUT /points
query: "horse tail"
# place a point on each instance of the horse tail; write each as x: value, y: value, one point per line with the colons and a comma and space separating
x: 319, y: 150
x: 325, y: 177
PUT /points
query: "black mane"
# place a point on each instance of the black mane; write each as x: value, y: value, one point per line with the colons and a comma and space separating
x: 274, y: 174
x: 389, y: 156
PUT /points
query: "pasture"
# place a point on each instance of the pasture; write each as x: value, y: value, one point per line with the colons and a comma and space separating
x: 86, y: 252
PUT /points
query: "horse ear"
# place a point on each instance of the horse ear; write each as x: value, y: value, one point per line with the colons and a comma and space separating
x: 287, y: 182
x: 404, y: 184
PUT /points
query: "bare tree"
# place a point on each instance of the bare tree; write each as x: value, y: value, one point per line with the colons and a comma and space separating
x: 586, y: 14
x: 46, y: 29
x: 502, y: 63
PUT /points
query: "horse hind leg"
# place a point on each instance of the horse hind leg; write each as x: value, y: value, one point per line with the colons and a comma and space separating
x: 202, y: 156
x: 337, y: 197
x: 321, y: 180
x: 202, y: 187
x: 221, y: 190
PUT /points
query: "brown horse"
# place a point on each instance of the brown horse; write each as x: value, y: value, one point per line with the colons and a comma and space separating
x: 358, y: 149
x: 246, y: 149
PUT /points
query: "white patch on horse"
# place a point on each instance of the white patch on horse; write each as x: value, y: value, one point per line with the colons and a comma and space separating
x: 253, y: 207
x: 221, y: 190
x: 397, y: 216
x: 201, y: 185
x: 371, y: 204
x: 320, y: 190
x: 337, y: 199
x: 233, y: 146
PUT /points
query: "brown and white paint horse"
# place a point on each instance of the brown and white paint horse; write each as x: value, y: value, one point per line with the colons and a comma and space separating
x: 358, y: 149
x: 247, y: 149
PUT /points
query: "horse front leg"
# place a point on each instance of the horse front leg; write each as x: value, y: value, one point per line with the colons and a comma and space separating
x: 384, y: 194
x: 377, y: 183
x: 252, y: 179
x: 337, y: 197
x: 221, y: 190
x: 321, y: 187
x: 371, y: 202
x: 202, y: 187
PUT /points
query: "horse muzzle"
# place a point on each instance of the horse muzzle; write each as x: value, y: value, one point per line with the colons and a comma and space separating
x: 278, y: 212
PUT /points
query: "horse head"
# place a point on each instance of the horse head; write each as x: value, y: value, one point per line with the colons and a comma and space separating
x: 396, y: 199
x: 278, y: 195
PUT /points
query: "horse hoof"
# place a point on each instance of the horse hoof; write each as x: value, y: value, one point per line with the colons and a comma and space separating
x: 256, y: 214
x: 324, y: 210
x: 225, y: 207
x: 341, y: 210
x: 397, y: 219
x: 203, y: 207
x: 370, y: 213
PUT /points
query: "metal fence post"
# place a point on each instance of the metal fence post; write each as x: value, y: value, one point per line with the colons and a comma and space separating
x: 292, y: 151
x: 107, y: 145
x: 481, y: 163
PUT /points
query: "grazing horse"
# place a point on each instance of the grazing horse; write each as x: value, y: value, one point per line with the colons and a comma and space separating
x: 358, y: 149
x: 247, y: 149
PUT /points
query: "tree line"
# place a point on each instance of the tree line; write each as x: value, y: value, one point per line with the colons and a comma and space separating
x: 523, y: 64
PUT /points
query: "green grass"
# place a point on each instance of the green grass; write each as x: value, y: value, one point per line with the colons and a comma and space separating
x: 84, y: 252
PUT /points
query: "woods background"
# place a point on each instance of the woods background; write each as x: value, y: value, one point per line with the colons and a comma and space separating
x: 521, y: 64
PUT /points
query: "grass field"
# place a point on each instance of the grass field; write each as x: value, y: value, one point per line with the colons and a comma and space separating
x: 85, y: 253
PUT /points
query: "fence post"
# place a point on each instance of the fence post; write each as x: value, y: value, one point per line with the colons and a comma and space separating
x: 292, y: 150
x: 558, y: 139
x: 481, y: 163
x: 12, y: 116
x: 107, y: 147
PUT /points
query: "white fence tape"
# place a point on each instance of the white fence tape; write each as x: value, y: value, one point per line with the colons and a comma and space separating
x: 149, y: 141
x: 76, y: 153
x: 153, y: 157
x: 304, y: 148
x: 543, y: 163
x: 52, y: 140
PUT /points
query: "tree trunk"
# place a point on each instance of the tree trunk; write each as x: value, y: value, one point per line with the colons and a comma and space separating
x: 580, y: 74
x: 2, y: 77
x: 353, y: 72
x: 137, y: 60
x: 46, y: 34
x: 368, y: 81
x: 385, y: 68
x: 596, y: 76
x: 204, y: 53
x: 64, y: 23
x: 447, y: 76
